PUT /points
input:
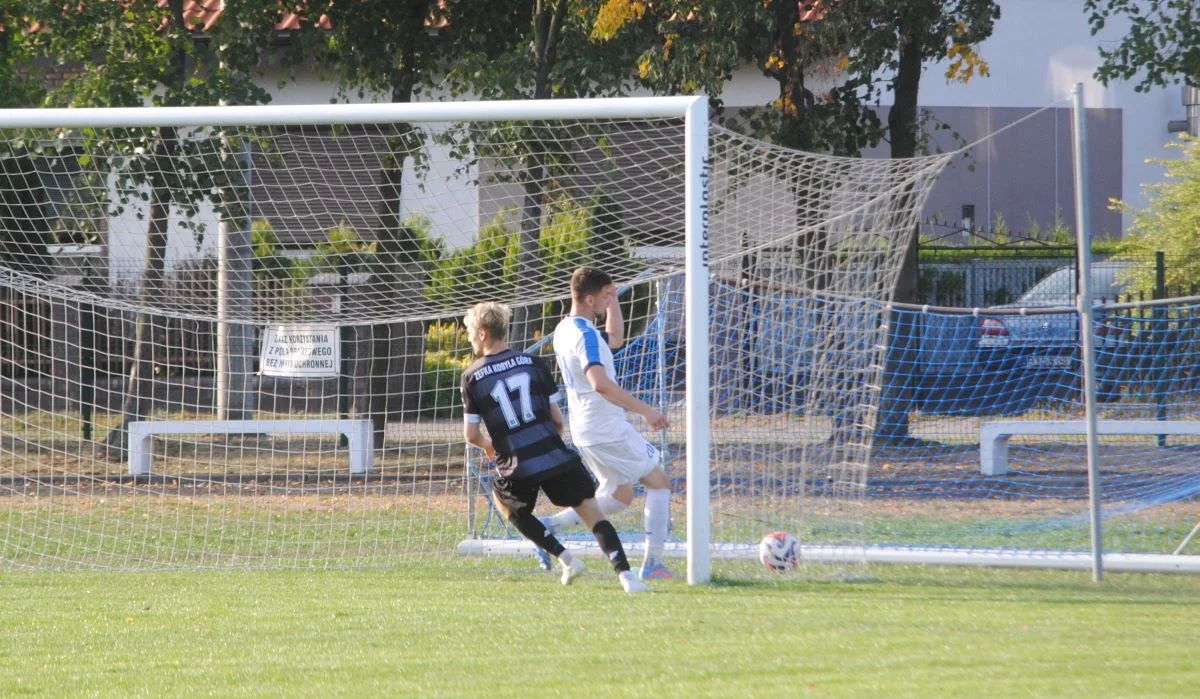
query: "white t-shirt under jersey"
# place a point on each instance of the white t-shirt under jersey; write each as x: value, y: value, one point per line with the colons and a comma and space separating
x: 577, y: 346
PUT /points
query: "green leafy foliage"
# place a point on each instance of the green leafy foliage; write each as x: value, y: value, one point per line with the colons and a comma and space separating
x: 268, y: 263
x: 897, y: 39
x: 447, y: 354
x: 19, y: 86
x: 134, y: 54
x: 539, y: 50
x: 543, y: 49
x: 342, y: 253
x: 1169, y: 223
x: 1160, y: 46
x: 487, y: 270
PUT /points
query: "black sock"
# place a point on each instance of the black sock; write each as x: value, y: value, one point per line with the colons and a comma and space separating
x: 535, y: 531
x: 610, y: 543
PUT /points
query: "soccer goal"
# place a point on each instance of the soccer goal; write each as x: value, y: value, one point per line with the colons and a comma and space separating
x: 266, y: 300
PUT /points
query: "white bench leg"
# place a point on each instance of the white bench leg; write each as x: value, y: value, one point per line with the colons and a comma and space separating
x: 362, y: 449
x: 993, y: 452
x: 141, y: 453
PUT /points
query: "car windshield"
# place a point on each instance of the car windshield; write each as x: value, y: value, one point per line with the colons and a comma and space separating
x: 1058, y: 288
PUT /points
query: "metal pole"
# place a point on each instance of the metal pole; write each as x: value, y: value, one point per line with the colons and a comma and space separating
x: 1191, y: 100
x: 661, y: 362
x: 222, y: 348
x: 1159, y: 333
x: 1086, y: 331
x: 696, y: 215
x: 234, y: 398
x: 242, y: 379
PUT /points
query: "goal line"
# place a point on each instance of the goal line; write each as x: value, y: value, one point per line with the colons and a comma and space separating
x: 903, y: 555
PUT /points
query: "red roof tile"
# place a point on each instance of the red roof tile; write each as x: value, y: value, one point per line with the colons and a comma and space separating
x: 203, y: 15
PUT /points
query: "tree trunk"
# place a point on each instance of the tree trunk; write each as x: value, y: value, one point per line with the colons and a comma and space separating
x: 897, y: 397
x: 139, y: 387
x: 529, y: 265
x: 548, y: 18
x: 398, y: 252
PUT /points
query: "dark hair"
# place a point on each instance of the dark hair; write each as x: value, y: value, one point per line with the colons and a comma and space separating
x: 588, y: 280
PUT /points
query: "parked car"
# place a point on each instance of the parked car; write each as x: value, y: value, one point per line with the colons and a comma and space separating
x: 1056, y: 331
x: 1004, y: 364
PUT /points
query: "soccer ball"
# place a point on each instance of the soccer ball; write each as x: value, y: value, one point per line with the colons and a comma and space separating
x: 779, y: 551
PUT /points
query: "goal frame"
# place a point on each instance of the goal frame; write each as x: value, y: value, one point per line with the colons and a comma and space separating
x: 693, y: 110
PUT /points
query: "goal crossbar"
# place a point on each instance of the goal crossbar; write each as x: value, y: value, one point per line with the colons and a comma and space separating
x: 369, y: 113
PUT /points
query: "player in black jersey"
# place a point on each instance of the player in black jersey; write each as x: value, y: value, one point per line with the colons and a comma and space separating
x: 513, y: 394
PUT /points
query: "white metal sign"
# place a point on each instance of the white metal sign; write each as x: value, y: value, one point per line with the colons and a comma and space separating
x: 301, y: 350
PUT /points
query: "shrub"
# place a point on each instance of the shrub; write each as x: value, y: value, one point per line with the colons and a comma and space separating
x: 483, y: 271
x: 572, y: 234
x: 1169, y: 223
x: 447, y: 354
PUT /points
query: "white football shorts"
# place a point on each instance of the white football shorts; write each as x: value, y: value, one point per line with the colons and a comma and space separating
x: 625, y: 461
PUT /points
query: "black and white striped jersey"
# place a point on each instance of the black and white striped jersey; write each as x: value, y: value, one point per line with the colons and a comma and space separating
x: 511, y: 393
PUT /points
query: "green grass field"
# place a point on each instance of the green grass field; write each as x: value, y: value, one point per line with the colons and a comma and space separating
x: 471, y: 629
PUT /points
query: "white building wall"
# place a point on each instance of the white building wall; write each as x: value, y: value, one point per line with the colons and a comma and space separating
x: 1040, y: 49
x: 127, y: 230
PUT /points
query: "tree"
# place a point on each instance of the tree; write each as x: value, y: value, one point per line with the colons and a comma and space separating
x: 25, y: 228
x: 535, y: 49
x: 873, y: 47
x: 1168, y: 223
x: 18, y: 86
x: 160, y: 53
x: 1160, y: 47
x: 897, y: 40
x: 388, y: 48
x: 697, y: 48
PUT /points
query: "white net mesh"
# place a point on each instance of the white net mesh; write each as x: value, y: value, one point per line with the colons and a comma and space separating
x: 279, y: 307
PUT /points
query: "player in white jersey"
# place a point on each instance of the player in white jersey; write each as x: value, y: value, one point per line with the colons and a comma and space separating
x: 612, y: 449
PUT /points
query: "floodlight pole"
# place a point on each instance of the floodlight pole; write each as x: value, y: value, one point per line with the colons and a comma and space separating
x: 1083, y: 239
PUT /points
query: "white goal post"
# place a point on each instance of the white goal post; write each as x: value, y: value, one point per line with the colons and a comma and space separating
x: 692, y: 110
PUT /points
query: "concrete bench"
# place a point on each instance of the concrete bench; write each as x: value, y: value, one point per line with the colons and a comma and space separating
x: 358, y: 433
x: 993, y: 436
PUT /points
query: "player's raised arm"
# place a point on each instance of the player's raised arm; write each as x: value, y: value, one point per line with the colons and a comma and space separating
x: 614, y: 321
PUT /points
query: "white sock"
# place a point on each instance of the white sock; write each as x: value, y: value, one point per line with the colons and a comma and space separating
x: 565, y: 557
x: 610, y: 505
x: 658, y: 518
x: 563, y: 519
x: 568, y: 517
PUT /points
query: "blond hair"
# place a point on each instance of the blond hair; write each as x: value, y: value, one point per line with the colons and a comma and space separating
x: 490, y: 316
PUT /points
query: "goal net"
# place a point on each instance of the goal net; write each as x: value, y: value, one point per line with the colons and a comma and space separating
x: 232, y: 338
